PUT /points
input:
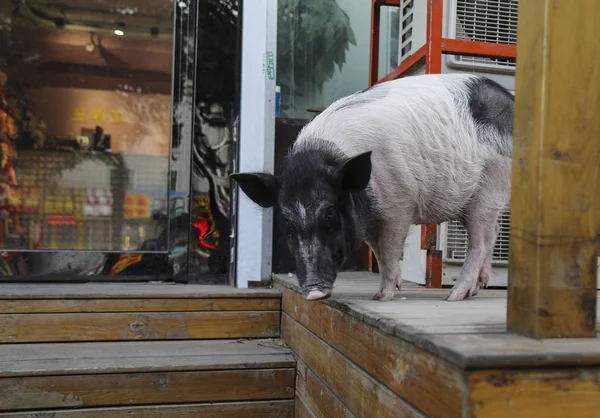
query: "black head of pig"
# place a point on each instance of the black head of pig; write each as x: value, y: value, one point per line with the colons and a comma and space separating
x: 322, y: 197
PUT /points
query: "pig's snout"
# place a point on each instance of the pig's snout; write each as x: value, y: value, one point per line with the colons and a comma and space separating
x: 315, y: 295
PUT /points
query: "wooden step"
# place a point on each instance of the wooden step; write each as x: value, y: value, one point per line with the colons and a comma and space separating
x: 258, y: 409
x: 138, y: 311
x: 226, y: 378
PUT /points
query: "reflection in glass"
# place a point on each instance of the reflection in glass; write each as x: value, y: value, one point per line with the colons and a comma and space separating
x: 85, y: 105
x: 216, y: 84
x: 323, y: 49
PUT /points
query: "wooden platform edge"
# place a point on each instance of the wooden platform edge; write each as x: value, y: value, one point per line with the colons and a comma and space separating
x: 316, y: 397
x: 262, y: 409
x: 430, y: 384
x: 404, y: 332
x: 359, y: 392
x: 551, y: 393
x: 517, y: 352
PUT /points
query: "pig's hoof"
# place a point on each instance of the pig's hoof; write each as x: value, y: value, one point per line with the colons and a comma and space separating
x: 482, y: 281
x: 384, y: 296
x: 460, y: 293
x: 455, y: 296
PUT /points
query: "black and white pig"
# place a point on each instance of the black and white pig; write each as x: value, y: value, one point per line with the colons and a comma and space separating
x: 420, y: 149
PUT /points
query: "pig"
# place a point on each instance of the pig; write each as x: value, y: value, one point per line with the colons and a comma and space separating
x: 422, y: 149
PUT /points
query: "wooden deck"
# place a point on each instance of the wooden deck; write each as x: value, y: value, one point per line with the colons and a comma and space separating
x: 421, y: 356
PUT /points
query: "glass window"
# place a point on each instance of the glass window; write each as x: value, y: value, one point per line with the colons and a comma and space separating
x: 85, y: 109
x: 323, y: 49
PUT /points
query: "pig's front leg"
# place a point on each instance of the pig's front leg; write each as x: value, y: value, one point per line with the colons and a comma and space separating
x: 388, y: 248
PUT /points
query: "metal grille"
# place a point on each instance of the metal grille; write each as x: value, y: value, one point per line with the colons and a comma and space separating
x: 456, y: 240
x: 492, y: 21
x: 406, y: 27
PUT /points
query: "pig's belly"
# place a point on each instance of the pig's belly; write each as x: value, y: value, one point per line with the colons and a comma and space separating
x: 445, y: 203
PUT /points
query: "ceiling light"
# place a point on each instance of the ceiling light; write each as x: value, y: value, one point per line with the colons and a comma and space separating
x: 91, y: 45
x: 120, y: 29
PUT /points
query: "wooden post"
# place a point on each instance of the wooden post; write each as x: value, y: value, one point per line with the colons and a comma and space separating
x: 556, y: 168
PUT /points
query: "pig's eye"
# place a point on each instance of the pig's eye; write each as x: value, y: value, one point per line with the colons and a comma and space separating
x: 331, y: 219
x: 290, y: 229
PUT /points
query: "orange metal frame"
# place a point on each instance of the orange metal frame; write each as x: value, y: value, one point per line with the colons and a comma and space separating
x: 429, y: 55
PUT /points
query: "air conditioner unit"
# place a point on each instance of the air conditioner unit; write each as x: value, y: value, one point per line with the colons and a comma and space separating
x: 491, y: 21
x: 413, y: 27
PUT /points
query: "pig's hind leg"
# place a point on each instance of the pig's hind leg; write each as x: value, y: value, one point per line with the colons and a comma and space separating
x: 388, y: 247
x: 481, y: 227
x: 486, y: 270
x: 481, y: 222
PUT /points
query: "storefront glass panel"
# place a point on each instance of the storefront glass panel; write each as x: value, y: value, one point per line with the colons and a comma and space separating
x: 85, y: 114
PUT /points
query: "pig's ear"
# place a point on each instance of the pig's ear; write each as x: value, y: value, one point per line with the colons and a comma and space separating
x: 261, y: 188
x: 356, y: 172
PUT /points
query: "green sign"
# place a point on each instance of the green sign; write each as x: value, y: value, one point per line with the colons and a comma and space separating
x: 270, y: 65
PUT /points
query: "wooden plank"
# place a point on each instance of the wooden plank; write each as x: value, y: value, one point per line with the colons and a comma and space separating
x: 137, y: 326
x: 126, y: 290
x: 361, y: 393
x: 273, y: 409
x: 140, y: 356
x: 18, y: 394
x: 302, y: 410
x: 514, y: 351
x: 138, y: 305
x: 557, y: 393
x: 556, y: 170
x: 429, y: 383
x: 317, y: 397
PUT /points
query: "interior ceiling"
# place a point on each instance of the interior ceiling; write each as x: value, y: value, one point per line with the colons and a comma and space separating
x: 137, y: 16
x: 48, y: 43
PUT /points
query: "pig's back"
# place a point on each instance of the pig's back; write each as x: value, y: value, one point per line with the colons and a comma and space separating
x: 427, y: 146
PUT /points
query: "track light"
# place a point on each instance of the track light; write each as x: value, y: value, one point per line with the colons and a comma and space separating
x: 120, y: 29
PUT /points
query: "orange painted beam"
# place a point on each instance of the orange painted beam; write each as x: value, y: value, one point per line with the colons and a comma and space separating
x: 433, y: 272
x: 478, y: 49
x: 374, y: 47
x: 414, y: 60
x: 435, y: 18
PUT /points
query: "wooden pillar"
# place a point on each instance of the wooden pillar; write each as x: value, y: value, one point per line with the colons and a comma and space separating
x: 556, y: 170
